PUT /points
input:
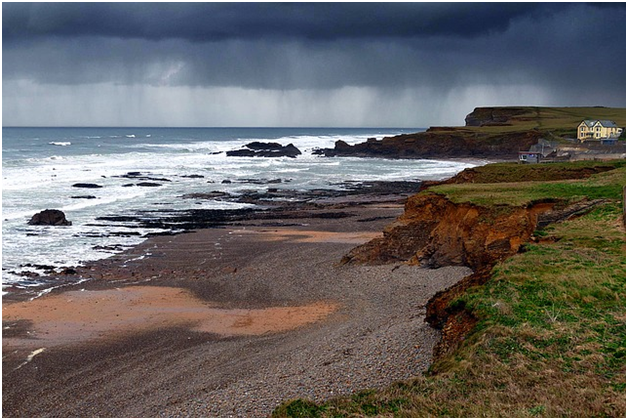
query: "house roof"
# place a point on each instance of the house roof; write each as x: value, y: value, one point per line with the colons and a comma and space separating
x: 604, y: 123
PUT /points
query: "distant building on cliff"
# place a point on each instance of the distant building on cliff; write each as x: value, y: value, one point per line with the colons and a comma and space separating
x: 598, y: 130
x: 543, y: 151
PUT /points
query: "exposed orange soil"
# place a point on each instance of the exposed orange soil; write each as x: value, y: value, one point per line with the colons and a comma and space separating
x: 80, y: 316
x: 311, y: 236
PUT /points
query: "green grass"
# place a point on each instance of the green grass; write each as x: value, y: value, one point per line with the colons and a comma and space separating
x: 558, y: 118
x: 514, y: 172
x: 551, y: 334
x: 604, y: 185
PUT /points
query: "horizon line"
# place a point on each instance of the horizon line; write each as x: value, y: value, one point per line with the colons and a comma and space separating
x: 195, y: 126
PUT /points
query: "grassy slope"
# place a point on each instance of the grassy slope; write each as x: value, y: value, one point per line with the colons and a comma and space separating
x: 550, y: 340
x: 514, y: 172
x: 607, y: 184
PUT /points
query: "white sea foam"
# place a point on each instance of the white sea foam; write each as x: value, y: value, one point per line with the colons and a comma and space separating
x: 30, y: 357
x: 60, y: 143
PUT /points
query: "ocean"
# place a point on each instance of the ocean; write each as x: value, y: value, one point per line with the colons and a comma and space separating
x: 41, y: 165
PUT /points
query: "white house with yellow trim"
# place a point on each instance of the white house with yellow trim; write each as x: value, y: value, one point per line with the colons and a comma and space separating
x: 598, y: 130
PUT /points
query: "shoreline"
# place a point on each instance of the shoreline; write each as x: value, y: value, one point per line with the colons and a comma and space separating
x: 273, y: 204
x: 287, y: 321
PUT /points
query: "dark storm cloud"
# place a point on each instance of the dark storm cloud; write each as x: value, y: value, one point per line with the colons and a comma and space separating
x: 204, y: 22
x: 309, y: 45
x: 305, y: 54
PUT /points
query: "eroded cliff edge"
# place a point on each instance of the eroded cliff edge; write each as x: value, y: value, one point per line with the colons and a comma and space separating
x: 435, y: 231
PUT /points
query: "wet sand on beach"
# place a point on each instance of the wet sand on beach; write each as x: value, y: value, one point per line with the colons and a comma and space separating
x: 79, y: 316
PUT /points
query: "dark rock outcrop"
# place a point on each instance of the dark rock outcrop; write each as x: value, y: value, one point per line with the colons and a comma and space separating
x: 86, y: 185
x: 50, y: 217
x: 440, y: 142
x: 258, y: 145
x: 206, y: 196
x: 260, y: 149
x: 141, y: 177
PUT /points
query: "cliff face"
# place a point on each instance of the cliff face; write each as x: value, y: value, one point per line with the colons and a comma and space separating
x: 501, y: 116
x: 436, y: 232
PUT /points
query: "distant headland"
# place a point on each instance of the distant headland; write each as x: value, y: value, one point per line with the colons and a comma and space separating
x: 493, y: 133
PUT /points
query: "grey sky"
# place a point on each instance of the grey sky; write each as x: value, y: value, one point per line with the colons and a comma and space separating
x: 304, y: 64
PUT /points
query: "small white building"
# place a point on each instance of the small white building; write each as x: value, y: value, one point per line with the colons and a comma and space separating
x: 598, y: 130
x: 530, y: 157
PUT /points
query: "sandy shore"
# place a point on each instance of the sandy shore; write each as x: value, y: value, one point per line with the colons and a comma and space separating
x: 222, y: 322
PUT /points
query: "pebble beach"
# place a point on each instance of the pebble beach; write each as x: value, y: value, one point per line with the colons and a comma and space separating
x: 225, y: 322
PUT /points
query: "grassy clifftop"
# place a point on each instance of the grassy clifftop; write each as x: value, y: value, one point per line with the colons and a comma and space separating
x: 519, y: 185
x: 556, y: 120
x: 549, y: 331
x: 528, y: 118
